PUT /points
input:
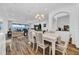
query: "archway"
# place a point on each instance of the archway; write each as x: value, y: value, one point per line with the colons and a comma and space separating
x: 61, y: 21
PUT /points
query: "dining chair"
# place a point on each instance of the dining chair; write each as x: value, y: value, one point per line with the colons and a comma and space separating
x: 2, y: 44
x: 31, y: 37
x: 52, y: 38
x: 62, y: 42
x: 40, y: 42
x: 52, y: 46
x: 9, y: 43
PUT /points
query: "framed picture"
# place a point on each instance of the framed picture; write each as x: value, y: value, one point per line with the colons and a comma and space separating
x: 44, y: 25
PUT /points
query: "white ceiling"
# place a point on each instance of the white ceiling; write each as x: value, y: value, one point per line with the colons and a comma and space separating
x: 27, y: 11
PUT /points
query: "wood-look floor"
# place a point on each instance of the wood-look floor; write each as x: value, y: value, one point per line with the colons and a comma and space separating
x: 21, y: 47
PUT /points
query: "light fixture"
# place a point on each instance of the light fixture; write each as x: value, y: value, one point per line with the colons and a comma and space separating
x: 39, y: 16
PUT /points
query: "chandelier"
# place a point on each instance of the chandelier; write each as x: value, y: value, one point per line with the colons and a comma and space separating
x: 39, y: 16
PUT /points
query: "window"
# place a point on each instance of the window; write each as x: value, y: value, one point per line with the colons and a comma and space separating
x: 19, y: 27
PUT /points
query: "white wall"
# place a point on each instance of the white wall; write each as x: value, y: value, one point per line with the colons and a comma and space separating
x: 74, y: 22
x: 75, y: 25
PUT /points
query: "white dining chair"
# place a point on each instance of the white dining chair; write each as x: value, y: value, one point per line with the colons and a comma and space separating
x: 40, y: 42
x: 52, y: 38
x: 31, y: 35
x: 62, y: 43
x: 9, y: 43
x: 52, y: 46
x: 2, y: 44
